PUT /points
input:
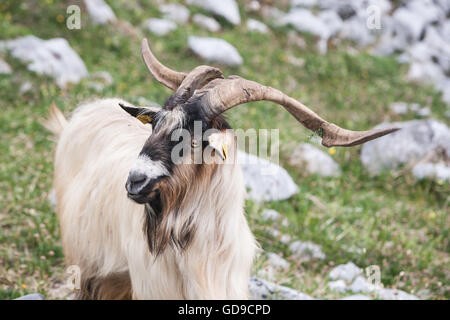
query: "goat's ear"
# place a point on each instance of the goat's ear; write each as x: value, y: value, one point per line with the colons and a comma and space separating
x: 143, y: 114
x: 221, y: 142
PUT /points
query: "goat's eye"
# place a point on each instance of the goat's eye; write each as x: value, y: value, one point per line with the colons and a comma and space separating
x: 194, y: 143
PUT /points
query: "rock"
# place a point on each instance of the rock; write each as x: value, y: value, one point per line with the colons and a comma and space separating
x: 175, y: 12
x: 264, y: 180
x: 32, y: 296
x: 416, y: 140
x: 257, y: 26
x: 208, y: 23
x: 346, y: 272
x: 53, y: 57
x: 99, y: 11
x: 356, y: 30
x: 399, y: 107
x: 215, y: 50
x: 304, y: 21
x: 435, y: 171
x: 427, y: 9
x: 25, y: 87
x: 332, y: 20
x: 408, y: 23
x: 253, y: 6
x: 403, y: 108
x: 265, y: 290
x: 338, y: 285
x: 270, y: 215
x: 361, y: 284
x: 304, y: 3
x: 394, y: 294
x: 306, y: 251
x: 160, y: 27
x: 314, y: 161
x: 5, y: 68
x: 357, y: 297
x: 277, y: 262
x: 227, y: 9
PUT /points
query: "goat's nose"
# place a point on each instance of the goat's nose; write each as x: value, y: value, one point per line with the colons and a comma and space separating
x: 136, y: 182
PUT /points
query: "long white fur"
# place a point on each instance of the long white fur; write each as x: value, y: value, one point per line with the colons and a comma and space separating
x: 102, y: 229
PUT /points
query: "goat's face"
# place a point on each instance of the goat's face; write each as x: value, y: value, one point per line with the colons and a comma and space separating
x: 203, y: 95
x: 166, y: 164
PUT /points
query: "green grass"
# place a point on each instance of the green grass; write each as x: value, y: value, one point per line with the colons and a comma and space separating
x: 390, y: 220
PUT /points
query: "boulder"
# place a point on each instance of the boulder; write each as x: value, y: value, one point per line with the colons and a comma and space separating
x: 304, y: 21
x: 264, y: 180
x: 175, y: 12
x: 338, y: 285
x: 99, y: 11
x: 257, y: 26
x: 394, y: 294
x: 5, y: 68
x: 270, y: 215
x: 416, y: 140
x: 160, y: 27
x: 277, y: 262
x: 264, y: 290
x: 357, y: 297
x: 346, y: 272
x: 227, y: 9
x: 306, y: 251
x: 307, y: 157
x: 31, y: 296
x: 53, y: 57
x: 205, y: 22
x: 215, y: 50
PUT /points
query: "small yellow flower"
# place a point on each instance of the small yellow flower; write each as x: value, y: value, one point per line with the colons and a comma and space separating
x: 432, y: 215
x: 60, y: 18
x: 332, y: 150
x: 24, y: 285
x: 8, y: 16
x: 440, y: 182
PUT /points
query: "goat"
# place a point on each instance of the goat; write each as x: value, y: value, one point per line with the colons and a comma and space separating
x: 183, y: 234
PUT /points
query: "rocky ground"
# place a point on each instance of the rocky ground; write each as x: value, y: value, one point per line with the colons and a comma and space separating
x: 385, y: 204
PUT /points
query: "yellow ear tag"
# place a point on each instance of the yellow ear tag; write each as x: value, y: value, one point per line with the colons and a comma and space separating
x: 225, y: 151
x: 144, y: 118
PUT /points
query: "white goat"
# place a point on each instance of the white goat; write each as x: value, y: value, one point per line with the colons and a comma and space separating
x: 185, y: 235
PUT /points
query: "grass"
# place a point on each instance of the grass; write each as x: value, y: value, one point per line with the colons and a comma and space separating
x: 390, y: 220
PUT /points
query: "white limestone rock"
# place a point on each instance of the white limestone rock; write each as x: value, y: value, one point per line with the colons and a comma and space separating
x: 306, y: 251
x: 264, y: 290
x: 175, y: 12
x: 99, y: 12
x: 415, y: 140
x: 205, y: 22
x: 227, y: 9
x: 160, y: 27
x: 307, y: 157
x: 5, y: 68
x: 264, y: 180
x: 53, y: 57
x: 257, y: 26
x: 215, y: 50
x: 346, y: 272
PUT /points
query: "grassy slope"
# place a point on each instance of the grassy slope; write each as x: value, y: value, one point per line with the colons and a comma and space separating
x: 390, y: 221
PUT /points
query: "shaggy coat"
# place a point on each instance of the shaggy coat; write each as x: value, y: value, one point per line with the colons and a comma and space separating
x: 206, y: 245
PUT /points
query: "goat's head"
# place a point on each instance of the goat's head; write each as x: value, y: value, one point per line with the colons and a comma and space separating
x: 203, y: 95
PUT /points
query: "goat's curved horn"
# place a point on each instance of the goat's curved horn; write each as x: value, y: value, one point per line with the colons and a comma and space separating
x: 168, y: 77
x: 196, y: 79
x: 222, y: 94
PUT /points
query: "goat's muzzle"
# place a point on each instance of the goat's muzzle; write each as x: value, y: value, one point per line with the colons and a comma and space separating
x: 141, y: 188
